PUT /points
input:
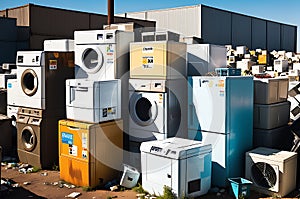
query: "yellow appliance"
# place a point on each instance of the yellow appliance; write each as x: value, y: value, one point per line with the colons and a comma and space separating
x: 158, y: 60
x: 263, y: 58
x: 90, y: 154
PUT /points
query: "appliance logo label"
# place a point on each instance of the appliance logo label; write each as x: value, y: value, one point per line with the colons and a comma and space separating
x: 52, y: 64
x: 67, y: 138
x: 9, y: 85
x: 148, y: 62
x: 110, y: 50
x: 148, y: 50
x: 108, y: 111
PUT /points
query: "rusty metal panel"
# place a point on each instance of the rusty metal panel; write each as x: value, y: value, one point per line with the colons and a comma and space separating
x: 22, y: 14
x: 288, y: 38
x: 216, y: 26
x: 241, y: 30
x: 259, y: 33
x: 273, y: 36
x: 57, y: 22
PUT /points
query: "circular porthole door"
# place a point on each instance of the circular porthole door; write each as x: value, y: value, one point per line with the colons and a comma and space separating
x: 142, y: 110
x: 29, y: 82
x: 92, y: 60
x: 29, y: 139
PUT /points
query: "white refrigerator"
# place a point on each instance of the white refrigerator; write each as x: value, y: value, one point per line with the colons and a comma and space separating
x: 221, y: 114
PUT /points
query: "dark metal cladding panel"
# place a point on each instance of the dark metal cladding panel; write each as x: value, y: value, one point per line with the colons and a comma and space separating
x: 8, y: 29
x: 8, y: 52
x: 259, y: 34
x: 97, y: 21
x: 57, y: 22
x: 241, y: 30
x: 273, y: 36
x: 288, y: 38
x: 37, y: 41
x: 216, y: 26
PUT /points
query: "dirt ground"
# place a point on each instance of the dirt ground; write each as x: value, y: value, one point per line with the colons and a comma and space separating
x: 43, y: 184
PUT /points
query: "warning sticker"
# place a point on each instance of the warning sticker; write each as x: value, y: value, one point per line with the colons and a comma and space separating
x: 84, y: 154
x: 73, y: 150
x: 148, y: 62
x: 67, y: 138
x: 52, y: 64
x: 109, y: 111
x: 84, y: 141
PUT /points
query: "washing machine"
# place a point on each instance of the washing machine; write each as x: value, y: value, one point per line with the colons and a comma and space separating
x: 41, y: 78
x: 103, y: 54
x: 93, y: 101
x: 37, y: 137
x: 157, y: 109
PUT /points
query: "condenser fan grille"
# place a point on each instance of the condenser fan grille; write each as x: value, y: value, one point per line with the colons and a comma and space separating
x: 263, y: 175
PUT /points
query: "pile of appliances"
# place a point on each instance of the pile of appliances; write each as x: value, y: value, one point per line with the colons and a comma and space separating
x: 157, y: 92
x: 37, y: 100
x: 271, y: 113
x: 94, y: 100
x: 221, y: 114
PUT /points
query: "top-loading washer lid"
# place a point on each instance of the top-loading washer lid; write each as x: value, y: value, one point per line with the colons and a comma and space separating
x: 29, y: 82
x: 142, y: 110
x: 92, y: 60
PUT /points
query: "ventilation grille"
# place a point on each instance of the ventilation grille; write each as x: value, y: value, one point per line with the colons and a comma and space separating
x: 263, y: 175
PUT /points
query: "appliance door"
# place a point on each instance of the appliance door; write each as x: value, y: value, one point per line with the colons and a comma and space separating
x: 147, y: 112
x: 210, y: 103
x: 219, y: 156
x: 81, y: 96
x: 89, y: 57
x: 29, y: 82
x: 157, y: 172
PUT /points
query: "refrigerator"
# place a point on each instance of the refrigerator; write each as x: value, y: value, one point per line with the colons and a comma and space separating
x: 221, y: 114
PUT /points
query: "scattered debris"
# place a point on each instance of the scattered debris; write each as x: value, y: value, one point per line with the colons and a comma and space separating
x: 114, y: 188
x: 222, y: 191
x: 15, y: 185
x: 26, y: 183
x: 219, y: 194
x: 44, y: 174
x: 73, y: 195
x: 140, y: 195
x: 110, y: 184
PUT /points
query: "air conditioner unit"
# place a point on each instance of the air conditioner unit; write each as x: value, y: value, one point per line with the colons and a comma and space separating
x: 272, y: 171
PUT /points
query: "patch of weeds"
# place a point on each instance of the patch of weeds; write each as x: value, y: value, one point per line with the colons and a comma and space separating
x: 167, y: 194
x: 139, y: 189
x: 55, y: 167
x: 122, y: 188
x: 35, y: 169
x: 87, y: 188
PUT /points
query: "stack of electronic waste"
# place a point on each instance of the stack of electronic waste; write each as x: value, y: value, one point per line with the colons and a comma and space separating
x: 294, y: 98
x: 271, y: 113
x: 36, y: 99
x: 94, y: 126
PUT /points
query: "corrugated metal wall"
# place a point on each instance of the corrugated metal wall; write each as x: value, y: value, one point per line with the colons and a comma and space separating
x: 259, y: 34
x: 52, y: 23
x: 215, y: 26
x: 222, y: 27
x: 241, y: 30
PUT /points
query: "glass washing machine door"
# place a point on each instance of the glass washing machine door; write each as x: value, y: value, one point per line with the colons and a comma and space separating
x: 29, y: 82
x: 28, y: 138
x: 92, y: 60
x: 143, y: 108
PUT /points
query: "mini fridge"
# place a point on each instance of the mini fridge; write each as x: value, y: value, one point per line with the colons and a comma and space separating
x: 221, y: 114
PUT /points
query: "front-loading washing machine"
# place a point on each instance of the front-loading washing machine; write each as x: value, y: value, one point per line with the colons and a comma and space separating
x: 37, y: 137
x: 103, y: 54
x: 157, y: 109
x: 41, y: 78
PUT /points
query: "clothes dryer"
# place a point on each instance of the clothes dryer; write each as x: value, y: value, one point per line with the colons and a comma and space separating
x: 37, y: 137
x: 103, y: 54
x: 41, y: 78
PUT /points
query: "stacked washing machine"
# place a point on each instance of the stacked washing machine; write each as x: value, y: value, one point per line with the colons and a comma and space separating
x: 38, y: 97
x: 272, y: 113
x: 94, y: 105
x: 157, y: 93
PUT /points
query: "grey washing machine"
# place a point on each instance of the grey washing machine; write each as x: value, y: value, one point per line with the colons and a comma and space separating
x: 157, y: 110
x: 38, y: 137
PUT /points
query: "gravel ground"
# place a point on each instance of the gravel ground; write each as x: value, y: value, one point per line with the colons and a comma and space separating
x: 43, y: 184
